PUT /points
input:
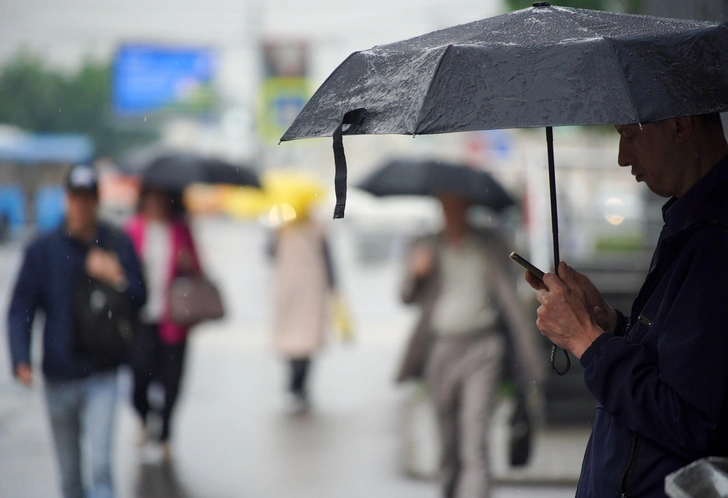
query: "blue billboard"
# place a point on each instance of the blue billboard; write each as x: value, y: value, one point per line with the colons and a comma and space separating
x: 150, y: 78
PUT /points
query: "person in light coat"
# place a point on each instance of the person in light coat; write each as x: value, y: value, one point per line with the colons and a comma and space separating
x: 304, y: 282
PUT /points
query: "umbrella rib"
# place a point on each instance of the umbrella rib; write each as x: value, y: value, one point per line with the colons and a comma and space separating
x: 429, y: 88
x: 624, y: 81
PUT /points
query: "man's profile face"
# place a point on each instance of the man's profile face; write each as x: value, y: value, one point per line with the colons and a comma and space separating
x: 81, y: 210
x: 648, y: 149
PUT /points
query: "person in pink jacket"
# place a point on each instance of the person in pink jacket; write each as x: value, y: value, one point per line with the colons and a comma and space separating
x: 164, y: 244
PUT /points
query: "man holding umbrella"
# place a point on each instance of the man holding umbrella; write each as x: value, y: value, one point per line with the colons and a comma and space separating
x: 659, y: 375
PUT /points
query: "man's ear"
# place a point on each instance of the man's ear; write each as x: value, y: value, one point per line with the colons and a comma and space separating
x: 683, y: 128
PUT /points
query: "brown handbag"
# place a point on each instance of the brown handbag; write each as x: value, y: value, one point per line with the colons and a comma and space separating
x: 194, y: 299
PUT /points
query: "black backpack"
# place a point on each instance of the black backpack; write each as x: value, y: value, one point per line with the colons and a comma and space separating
x: 104, y: 321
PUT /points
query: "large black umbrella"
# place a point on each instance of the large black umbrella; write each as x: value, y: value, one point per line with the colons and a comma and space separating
x: 541, y: 66
x: 431, y: 178
x: 177, y: 171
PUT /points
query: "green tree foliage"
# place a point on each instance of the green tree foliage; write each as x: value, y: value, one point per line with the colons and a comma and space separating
x: 39, y: 99
x: 631, y: 6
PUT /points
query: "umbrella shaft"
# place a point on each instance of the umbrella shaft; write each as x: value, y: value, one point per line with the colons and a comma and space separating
x: 552, y: 188
x: 555, y: 231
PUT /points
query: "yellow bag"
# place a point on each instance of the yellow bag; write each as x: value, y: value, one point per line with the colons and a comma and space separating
x: 341, y: 319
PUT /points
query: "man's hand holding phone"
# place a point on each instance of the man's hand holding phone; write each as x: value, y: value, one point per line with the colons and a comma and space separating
x: 601, y: 312
x: 573, y: 313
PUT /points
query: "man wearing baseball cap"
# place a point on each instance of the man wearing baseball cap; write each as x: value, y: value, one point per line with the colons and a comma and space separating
x: 80, y: 397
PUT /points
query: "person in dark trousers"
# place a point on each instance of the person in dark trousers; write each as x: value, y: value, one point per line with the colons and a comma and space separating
x: 659, y: 374
x: 164, y: 243
x: 80, y: 398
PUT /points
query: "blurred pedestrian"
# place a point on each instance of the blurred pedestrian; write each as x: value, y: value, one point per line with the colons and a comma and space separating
x: 164, y: 243
x: 80, y: 396
x: 659, y: 374
x: 470, y: 312
x: 304, y: 281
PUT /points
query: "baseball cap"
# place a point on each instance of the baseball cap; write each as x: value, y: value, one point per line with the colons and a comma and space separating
x: 83, y: 178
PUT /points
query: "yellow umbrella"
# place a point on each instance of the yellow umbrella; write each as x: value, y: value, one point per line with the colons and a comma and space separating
x: 245, y: 202
x: 285, y: 196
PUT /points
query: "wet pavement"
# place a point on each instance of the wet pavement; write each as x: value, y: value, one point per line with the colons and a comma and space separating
x: 233, y: 434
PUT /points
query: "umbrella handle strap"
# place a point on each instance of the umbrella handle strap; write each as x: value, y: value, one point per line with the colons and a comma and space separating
x: 553, y: 361
x: 353, y: 119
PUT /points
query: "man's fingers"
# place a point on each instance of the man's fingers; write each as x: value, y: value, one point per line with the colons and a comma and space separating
x: 569, y: 277
x: 552, y: 282
x: 535, y: 282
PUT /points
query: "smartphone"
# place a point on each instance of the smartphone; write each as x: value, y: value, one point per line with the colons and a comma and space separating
x: 527, y: 265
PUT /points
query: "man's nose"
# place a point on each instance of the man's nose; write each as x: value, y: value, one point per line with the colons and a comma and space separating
x: 623, y: 157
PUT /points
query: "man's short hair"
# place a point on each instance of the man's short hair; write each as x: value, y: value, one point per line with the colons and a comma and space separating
x: 83, y: 178
x: 711, y: 120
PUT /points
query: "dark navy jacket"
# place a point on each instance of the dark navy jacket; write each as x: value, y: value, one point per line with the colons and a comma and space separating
x: 46, y: 282
x: 661, y: 379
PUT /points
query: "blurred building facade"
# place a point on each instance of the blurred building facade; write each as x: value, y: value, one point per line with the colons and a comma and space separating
x: 706, y: 10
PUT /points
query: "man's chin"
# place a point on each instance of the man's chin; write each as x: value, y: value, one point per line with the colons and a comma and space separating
x: 78, y: 232
x: 658, y: 193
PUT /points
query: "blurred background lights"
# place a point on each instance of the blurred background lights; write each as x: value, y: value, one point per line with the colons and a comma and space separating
x: 281, y: 214
x: 614, y: 211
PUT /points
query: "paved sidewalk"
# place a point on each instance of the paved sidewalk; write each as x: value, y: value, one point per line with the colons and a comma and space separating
x: 233, y: 437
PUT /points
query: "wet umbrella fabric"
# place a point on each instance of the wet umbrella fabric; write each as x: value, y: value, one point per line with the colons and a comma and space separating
x: 176, y: 172
x: 430, y: 178
x: 541, y: 66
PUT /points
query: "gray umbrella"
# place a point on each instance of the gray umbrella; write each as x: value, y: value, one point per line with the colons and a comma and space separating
x: 541, y: 66
x: 431, y: 178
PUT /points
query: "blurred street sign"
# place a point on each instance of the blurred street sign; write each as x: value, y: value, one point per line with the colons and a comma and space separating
x: 150, y: 78
x: 285, y: 88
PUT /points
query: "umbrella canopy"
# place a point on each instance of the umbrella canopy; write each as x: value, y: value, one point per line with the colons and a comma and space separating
x: 431, y: 178
x: 541, y: 66
x: 178, y: 171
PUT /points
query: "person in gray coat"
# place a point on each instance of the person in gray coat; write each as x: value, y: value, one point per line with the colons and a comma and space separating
x: 470, y: 314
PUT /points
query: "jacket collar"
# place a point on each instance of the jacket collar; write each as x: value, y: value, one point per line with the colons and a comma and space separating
x: 703, y: 201
x: 100, y: 233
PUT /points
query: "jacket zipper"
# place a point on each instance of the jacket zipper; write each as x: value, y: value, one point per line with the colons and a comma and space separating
x: 627, y: 474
